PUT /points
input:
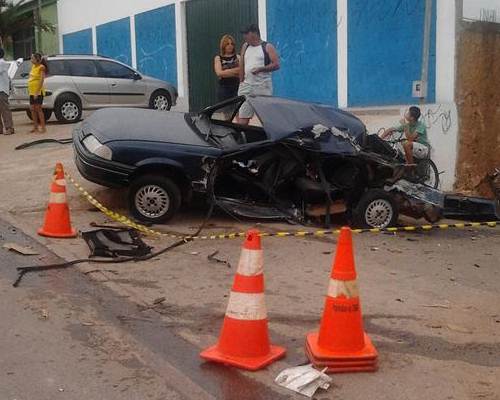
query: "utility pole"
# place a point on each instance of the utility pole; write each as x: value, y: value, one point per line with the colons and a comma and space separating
x: 424, y: 78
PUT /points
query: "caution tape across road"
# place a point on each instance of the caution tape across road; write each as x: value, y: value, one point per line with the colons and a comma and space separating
x: 317, y: 233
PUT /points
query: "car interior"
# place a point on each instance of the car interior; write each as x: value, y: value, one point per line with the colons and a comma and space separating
x: 229, y: 134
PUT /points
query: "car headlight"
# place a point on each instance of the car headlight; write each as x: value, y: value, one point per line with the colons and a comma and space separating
x: 97, y: 148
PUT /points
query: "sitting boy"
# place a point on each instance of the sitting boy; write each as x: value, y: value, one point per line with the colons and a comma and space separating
x: 416, y: 143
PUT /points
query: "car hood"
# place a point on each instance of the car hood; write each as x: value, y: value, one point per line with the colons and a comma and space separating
x: 114, y: 124
x: 288, y: 119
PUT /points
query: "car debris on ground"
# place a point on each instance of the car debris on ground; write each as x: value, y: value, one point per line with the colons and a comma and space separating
x: 304, y: 379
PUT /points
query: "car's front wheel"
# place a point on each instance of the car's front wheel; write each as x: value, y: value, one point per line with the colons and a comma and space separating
x: 154, y: 198
x: 68, y: 108
x: 375, y: 209
x: 160, y: 100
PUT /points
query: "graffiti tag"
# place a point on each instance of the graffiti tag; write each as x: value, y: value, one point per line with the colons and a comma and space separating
x: 438, y: 116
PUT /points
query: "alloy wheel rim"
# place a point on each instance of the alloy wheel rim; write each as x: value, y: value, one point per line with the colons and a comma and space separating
x: 161, y: 103
x: 69, y: 111
x: 379, y: 213
x: 152, y: 201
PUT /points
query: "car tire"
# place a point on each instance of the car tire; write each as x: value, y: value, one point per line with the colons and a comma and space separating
x: 160, y: 100
x: 68, y: 108
x: 47, y: 113
x: 375, y: 209
x: 154, y: 198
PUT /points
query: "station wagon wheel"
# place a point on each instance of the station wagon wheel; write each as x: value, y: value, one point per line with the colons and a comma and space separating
x: 160, y: 100
x: 68, y: 108
x: 375, y: 209
x: 154, y: 198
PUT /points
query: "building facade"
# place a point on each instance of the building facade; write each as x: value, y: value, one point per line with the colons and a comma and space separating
x: 350, y: 53
x: 29, y: 39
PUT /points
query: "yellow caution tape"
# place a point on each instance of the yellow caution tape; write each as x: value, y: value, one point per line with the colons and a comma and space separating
x: 319, y: 233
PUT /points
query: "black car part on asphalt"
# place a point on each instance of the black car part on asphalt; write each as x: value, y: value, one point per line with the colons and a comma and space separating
x: 43, y: 141
x: 115, y: 243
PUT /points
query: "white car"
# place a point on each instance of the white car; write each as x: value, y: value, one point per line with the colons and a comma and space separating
x: 75, y: 83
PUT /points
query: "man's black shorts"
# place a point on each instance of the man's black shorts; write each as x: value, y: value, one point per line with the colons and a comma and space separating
x: 36, y: 100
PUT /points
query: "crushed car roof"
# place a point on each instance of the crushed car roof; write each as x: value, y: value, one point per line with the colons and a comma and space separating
x: 283, y: 117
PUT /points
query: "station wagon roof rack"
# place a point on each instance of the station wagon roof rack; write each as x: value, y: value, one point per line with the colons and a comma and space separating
x: 78, y: 55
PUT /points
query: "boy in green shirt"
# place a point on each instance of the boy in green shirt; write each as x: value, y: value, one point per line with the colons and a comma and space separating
x: 416, y: 143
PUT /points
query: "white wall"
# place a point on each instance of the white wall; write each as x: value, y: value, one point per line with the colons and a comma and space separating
x: 75, y: 15
x: 445, y: 51
x: 342, y: 67
x: 442, y: 129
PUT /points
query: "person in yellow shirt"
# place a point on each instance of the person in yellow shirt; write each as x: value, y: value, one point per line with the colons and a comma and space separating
x: 36, y: 90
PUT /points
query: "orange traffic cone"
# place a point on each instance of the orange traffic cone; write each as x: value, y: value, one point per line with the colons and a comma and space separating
x: 57, y: 222
x: 244, y: 337
x: 341, y: 344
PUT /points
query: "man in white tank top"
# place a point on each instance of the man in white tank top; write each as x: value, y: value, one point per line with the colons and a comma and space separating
x: 258, y: 60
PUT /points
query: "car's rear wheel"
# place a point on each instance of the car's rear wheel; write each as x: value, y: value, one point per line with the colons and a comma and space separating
x: 160, y: 100
x: 68, y: 108
x: 154, y: 198
x: 47, y: 113
x: 375, y: 209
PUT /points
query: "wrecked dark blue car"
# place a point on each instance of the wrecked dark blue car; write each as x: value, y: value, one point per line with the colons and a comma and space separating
x: 299, y: 161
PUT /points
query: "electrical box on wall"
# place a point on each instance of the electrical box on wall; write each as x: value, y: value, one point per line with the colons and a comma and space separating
x: 419, y: 89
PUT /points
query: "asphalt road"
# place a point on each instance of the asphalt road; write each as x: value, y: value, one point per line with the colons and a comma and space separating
x: 62, y: 336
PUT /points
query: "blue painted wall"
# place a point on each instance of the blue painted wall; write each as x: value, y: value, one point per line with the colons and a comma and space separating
x: 155, y: 43
x: 78, y: 42
x: 305, y: 34
x: 113, y: 40
x: 385, y: 51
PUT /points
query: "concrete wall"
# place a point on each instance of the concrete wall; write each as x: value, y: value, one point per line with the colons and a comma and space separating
x: 341, y: 52
x: 307, y: 45
x: 156, y: 30
x: 113, y: 40
x: 478, y: 99
x: 79, y: 42
x: 156, y: 43
x: 385, y: 51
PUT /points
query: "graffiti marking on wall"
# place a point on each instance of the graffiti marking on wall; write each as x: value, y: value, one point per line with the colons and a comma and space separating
x: 438, y: 116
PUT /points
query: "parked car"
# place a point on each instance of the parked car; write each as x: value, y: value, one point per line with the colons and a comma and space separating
x: 305, y: 162
x: 76, y: 83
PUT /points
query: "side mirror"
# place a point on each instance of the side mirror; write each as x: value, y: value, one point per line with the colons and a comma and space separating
x: 136, y: 77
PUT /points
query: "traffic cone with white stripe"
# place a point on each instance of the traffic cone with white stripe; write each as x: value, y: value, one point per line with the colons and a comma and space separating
x: 244, y: 338
x: 341, y: 345
x: 57, y: 221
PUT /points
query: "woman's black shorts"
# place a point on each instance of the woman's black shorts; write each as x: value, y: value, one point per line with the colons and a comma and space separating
x: 36, y: 100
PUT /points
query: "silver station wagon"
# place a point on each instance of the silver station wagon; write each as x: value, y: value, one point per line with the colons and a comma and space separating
x: 76, y: 83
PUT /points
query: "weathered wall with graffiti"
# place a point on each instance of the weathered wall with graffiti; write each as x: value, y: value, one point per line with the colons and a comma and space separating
x: 478, y: 100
